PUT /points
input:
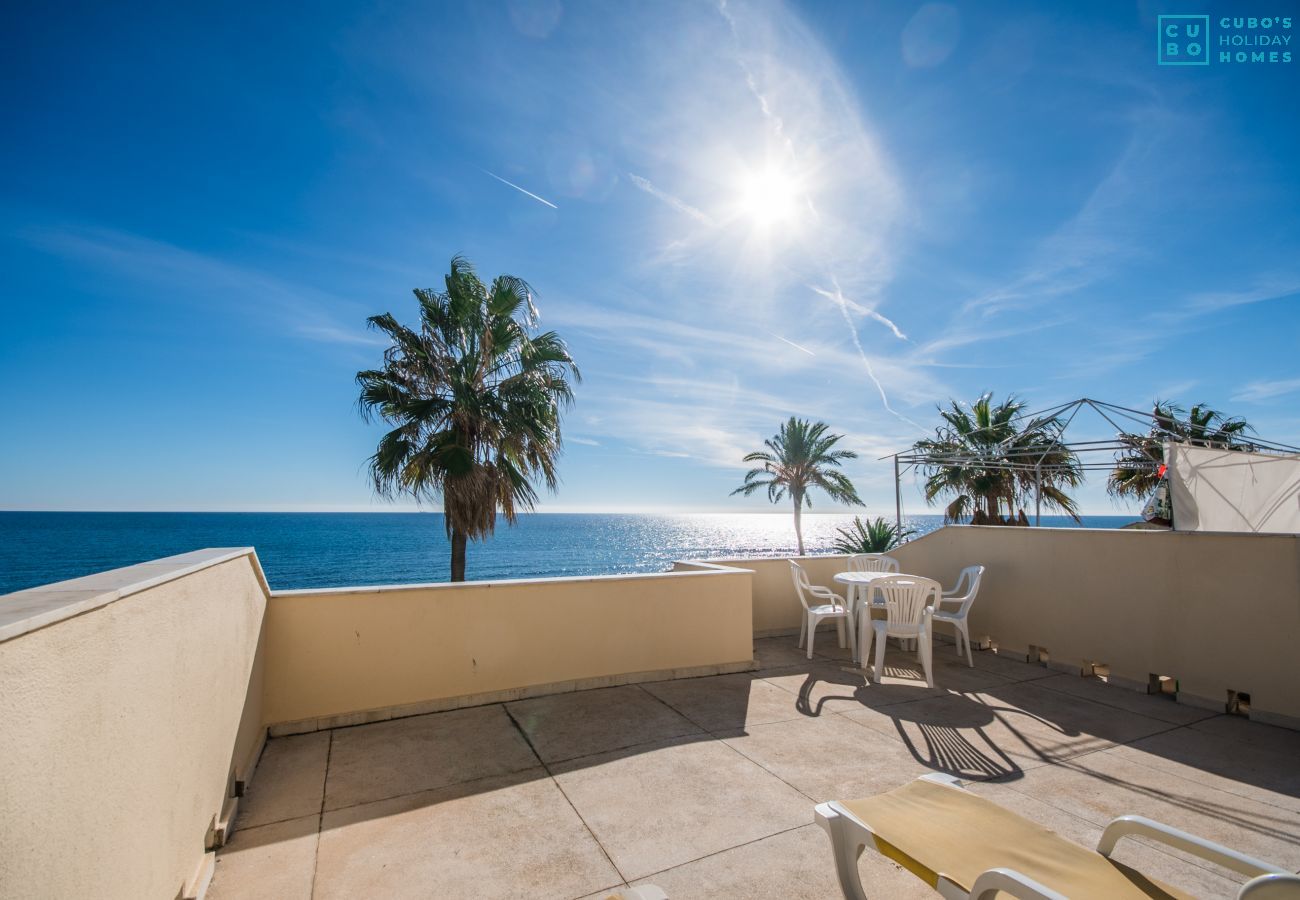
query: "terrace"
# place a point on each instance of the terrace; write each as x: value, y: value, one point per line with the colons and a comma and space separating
x: 193, y: 733
x: 705, y: 786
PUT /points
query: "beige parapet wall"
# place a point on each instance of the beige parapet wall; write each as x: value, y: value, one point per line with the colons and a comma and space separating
x: 134, y: 700
x: 130, y: 701
x: 361, y: 654
x: 1216, y: 612
x: 776, y: 606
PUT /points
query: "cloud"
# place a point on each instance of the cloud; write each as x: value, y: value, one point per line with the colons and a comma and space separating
x: 332, y: 334
x: 1259, y: 391
x: 586, y: 442
x: 215, y: 286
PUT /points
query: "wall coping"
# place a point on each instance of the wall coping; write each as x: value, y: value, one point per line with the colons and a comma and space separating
x: 31, y: 609
x: 500, y: 582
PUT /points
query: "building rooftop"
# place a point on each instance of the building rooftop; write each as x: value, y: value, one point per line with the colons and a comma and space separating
x: 706, y: 786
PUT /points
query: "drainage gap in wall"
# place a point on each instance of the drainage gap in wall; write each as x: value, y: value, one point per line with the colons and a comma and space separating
x: 1238, y: 703
x: 1098, y: 670
x: 1039, y: 655
x: 1164, y: 685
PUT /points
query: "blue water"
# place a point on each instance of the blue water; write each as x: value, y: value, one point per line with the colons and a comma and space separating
x: 306, y: 550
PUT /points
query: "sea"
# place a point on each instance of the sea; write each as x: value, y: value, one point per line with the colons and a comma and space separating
x: 315, y: 550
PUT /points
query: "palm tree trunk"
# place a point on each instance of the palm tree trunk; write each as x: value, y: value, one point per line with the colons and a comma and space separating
x: 458, y: 541
x: 798, y: 520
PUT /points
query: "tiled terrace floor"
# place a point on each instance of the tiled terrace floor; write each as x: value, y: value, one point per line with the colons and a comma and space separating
x: 706, y: 786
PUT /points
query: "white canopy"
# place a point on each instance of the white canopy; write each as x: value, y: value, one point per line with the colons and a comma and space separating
x: 1233, y: 490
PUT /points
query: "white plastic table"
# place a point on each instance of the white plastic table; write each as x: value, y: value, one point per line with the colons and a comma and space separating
x: 859, y: 590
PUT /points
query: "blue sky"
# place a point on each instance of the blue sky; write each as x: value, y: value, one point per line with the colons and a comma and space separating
x: 850, y: 211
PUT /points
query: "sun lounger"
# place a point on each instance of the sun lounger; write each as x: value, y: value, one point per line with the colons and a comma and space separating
x: 964, y: 846
x: 643, y: 892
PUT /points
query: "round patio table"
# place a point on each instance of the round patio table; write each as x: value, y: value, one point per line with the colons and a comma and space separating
x: 859, y: 590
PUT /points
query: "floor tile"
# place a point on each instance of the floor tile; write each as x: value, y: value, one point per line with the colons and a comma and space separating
x: 1004, y: 730
x: 794, y: 865
x: 1251, y: 770
x: 1171, y: 870
x: 1257, y: 734
x: 1112, y: 695
x: 659, y: 806
x: 1101, y: 786
x: 509, y: 836
x: 1071, y: 715
x: 566, y: 726
x: 726, y: 701
x: 779, y: 652
x: 829, y: 758
x: 270, y: 862
x: 954, y: 734
x: 289, y: 780
x: 1011, y: 669
x: 404, y: 756
x: 829, y: 687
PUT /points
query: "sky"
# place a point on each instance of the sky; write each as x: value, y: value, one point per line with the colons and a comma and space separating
x: 733, y: 212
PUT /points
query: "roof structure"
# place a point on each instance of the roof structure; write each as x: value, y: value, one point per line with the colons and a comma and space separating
x: 1125, y: 420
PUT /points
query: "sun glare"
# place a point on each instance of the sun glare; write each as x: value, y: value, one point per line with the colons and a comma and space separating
x: 770, y: 196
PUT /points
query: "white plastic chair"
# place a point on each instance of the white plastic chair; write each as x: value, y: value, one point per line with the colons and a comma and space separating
x: 969, y: 579
x: 908, y: 602
x: 831, y: 606
x: 872, y: 562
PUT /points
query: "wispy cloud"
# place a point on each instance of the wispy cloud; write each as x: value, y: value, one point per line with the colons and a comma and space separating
x: 333, y: 334
x: 1273, y: 287
x: 519, y: 189
x: 219, y: 285
x: 1259, y: 391
x: 675, y: 202
x: 586, y: 442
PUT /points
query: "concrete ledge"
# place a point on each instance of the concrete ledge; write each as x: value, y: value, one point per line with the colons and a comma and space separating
x: 1218, y: 706
x: 1277, y: 719
x: 28, y: 610
x: 463, y: 585
x: 444, y: 704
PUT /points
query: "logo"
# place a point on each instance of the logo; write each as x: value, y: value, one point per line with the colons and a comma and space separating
x: 1187, y: 41
x: 1183, y: 40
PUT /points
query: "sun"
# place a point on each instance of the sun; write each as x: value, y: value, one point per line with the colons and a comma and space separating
x: 770, y: 196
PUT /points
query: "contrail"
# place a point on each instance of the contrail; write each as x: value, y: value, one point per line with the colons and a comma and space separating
x: 843, y: 305
x: 519, y: 189
x: 838, y: 297
x: 680, y: 205
x: 792, y: 343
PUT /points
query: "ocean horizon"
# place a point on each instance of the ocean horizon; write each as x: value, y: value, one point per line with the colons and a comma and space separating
x: 342, y: 549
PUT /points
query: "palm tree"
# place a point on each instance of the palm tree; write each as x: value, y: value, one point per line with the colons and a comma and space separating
x: 799, y: 457
x: 873, y: 536
x: 474, y: 397
x: 1138, y: 466
x: 984, y: 459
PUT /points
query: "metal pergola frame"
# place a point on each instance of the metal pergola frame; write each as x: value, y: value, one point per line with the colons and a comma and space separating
x: 1032, y: 460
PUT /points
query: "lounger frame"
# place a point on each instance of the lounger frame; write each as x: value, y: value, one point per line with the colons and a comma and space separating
x: 850, y: 836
